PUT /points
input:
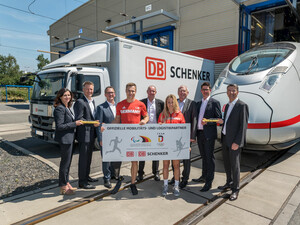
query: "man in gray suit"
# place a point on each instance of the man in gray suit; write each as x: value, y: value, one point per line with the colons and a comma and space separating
x: 233, y: 138
x: 84, y: 109
x: 154, y: 108
x: 189, y: 111
x: 207, y: 108
x: 106, y: 113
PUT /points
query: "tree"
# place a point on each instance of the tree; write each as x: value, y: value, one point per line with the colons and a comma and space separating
x: 9, y: 70
x: 42, y: 61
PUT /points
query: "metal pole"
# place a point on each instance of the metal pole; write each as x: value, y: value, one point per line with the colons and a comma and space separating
x: 29, y: 94
x: 141, y: 31
x: 6, y: 92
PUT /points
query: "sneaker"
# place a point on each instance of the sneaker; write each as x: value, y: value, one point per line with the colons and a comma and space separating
x: 176, y: 191
x: 165, y: 190
x: 134, y: 191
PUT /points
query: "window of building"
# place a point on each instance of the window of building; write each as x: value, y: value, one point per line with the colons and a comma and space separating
x: 162, y: 37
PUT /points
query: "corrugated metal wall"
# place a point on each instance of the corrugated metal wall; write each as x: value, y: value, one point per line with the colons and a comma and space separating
x: 204, y: 25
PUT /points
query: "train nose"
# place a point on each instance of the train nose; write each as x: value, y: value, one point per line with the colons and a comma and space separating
x: 260, y: 114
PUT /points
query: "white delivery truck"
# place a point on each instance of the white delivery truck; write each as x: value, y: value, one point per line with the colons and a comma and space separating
x: 114, y: 62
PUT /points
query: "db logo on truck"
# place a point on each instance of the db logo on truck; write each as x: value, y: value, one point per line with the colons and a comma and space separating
x: 155, y: 68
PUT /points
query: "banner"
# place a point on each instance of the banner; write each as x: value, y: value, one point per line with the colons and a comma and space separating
x: 133, y: 142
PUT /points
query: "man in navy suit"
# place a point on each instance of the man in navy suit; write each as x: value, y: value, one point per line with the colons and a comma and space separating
x: 84, y: 109
x: 154, y: 108
x: 106, y: 113
x: 233, y: 138
x: 208, y: 108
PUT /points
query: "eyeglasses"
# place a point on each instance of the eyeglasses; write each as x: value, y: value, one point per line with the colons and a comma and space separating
x: 110, y: 93
x: 205, y: 89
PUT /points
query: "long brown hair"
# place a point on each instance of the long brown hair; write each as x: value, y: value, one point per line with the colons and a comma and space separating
x: 166, y: 111
x: 60, y: 93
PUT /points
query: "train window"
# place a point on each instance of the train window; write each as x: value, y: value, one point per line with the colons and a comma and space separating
x: 259, y: 59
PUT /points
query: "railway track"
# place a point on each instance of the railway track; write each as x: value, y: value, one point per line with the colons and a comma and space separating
x: 193, y: 217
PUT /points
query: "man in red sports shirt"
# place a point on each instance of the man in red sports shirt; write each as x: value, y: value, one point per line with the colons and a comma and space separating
x: 130, y: 111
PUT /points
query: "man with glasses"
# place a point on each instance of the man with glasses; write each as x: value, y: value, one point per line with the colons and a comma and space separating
x: 208, y: 108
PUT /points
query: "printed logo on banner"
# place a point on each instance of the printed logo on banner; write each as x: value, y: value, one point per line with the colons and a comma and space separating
x: 142, y: 153
x: 155, y: 69
x: 160, y: 139
x: 130, y: 154
x: 140, y: 139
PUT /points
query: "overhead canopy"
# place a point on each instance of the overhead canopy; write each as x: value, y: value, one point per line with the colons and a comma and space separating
x: 95, y: 52
x: 161, y: 15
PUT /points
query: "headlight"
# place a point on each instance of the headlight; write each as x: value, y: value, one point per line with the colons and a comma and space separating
x: 270, y: 81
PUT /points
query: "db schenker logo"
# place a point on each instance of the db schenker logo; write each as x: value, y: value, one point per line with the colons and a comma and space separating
x: 155, y: 68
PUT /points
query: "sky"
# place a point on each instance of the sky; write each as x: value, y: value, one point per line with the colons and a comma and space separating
x: 24, y: 25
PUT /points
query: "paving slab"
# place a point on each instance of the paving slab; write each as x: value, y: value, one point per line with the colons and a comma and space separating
x: 266, y: 193
x: 145, y: 208
x: 229, y: 214
x: 288, y: 164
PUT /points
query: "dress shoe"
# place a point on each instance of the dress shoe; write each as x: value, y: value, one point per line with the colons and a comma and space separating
x: 114, y: 178
x: 134, y: 190
x: 107, y: 184
x: 87, y: 186
x: 199, y: 180
x: 183, y: 184
x: 157, y: 177
x: 92, y: 180
x: 139, y: 177
x: 206, y: 187
x: 234, y: 196
x: 224, y: 187
x: 172, y: 181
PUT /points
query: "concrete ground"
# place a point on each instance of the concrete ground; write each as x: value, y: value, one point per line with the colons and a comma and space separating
x: 272, y: 197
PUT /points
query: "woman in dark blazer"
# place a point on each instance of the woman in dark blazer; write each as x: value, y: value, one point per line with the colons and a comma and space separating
x: 65, y: 125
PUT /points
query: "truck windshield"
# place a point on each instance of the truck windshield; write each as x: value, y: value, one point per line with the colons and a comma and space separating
x: 47, y: 85
x: 261, y: 58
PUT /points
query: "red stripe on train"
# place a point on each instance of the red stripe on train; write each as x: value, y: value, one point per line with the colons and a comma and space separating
x: 283, y: 123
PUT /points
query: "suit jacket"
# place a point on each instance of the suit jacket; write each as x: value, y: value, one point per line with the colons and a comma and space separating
x: 64, y: 125
x: 82, y: 111
x: 189, y: 112
x: 159, y: 106
x: 212, y: 110
x: 237, y: 123
x: 104, y: 115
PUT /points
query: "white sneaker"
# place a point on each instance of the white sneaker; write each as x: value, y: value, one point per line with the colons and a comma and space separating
x: 165, y: 190
x: 176, y: 191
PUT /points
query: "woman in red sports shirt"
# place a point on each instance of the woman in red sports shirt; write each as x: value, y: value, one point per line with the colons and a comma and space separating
x: 171, y: 114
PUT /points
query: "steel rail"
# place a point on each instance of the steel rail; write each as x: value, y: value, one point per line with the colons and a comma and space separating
x: 81, y: 202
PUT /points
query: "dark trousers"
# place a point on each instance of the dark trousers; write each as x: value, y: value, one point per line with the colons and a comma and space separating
x: 110, y: 168
x: 186, y: 169
x: 66, y: 152
x: 231, y: 164
x: 206, y: 147
x: 155, y: 165
x: 85, y: 159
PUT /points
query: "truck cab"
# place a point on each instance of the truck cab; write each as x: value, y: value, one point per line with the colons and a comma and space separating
x: 49, y: 82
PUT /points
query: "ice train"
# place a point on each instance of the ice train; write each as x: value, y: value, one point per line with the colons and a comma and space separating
x: 269, y: 82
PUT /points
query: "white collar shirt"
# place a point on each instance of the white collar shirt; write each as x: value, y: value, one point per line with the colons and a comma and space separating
x: 92, y: 106
x: 202, y: 111
x: 151, y: 109
x: 181, y: 104
x: 112, y: 106
x: 230, y: 107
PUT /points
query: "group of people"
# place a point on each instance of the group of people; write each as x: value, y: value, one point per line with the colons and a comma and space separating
x: 152, y: 110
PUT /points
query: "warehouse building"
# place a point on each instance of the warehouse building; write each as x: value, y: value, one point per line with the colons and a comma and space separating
x: 214, y: 29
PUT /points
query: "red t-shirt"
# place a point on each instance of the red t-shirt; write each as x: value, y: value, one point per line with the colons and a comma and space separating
x: 131, y: 112
x: 176, y: 117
